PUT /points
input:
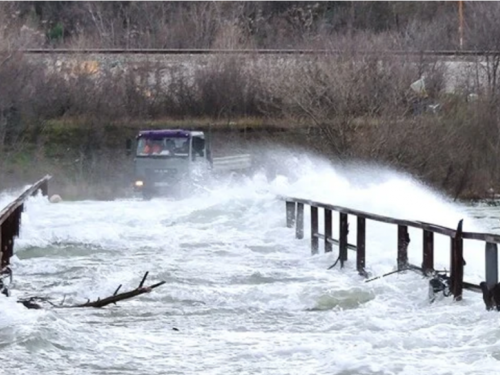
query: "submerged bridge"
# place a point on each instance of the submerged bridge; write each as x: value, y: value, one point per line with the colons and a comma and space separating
x: 449, y: 284
x: 10, y: 223
x: 454, y: 281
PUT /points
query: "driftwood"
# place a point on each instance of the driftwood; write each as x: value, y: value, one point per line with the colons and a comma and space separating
x: 31, y: 303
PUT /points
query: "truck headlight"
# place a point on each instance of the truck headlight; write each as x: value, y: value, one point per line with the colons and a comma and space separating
x: 139, y: 183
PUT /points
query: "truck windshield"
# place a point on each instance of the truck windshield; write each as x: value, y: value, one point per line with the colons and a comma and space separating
x: 166, y: 147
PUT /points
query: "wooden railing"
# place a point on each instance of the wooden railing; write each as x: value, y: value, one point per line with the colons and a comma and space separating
x: 10, y: 220
x: 295, y: 217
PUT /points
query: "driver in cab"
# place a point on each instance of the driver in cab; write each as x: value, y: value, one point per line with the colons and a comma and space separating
x: 152, y: 147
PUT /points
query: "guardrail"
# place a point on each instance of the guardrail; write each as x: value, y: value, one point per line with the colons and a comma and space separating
x: 295, y: 217
x: 10, y: 221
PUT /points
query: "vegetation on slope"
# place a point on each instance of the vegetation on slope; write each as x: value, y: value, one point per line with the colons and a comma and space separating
x: 72, y: 120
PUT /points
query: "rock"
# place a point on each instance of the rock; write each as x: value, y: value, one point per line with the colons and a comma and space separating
x: 55, y: 198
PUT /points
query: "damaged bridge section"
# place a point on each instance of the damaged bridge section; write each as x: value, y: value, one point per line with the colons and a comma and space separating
x: 10, y: 223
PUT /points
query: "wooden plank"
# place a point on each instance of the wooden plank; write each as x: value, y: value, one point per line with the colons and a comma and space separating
x: 491, y: 264
x: 403, y: 242
x: 4, y: 260
x: 7, y: 240
x: 434, y: 228
x: 314, y: 230
x: 428, y: 252
x: 488, y: 237
x: 11, y: 207
x: 343, y: 232
x: 290, y: 214
x: 334, y: 241
x: 457, y: 264
x: 299, y: 227
x: 472, y: 287
x: 383, y: 219
x: 44, y: 187
x: 328, y: 230
x: 360, y: 245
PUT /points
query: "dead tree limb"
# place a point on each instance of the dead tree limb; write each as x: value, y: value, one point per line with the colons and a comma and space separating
x: 119, y: 297
x: 31, y: 302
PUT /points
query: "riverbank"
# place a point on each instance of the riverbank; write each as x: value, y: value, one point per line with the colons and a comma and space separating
x: 88, y: 160
x: 74, y: 124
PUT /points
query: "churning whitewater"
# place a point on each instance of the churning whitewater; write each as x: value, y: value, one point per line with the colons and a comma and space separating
x: 246, y: 296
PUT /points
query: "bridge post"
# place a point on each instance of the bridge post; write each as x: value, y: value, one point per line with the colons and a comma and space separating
x: 360, y: 245
x: 299, y: 227
x: 9, y: 229
x: 328, y: 230
x: 44, y: 188
x: 290, y: 214
x: 343, y: 232
x: 4, y: 257
x: 491, y: 259
x: 457, y: 264
x: 314, y: 230
x: 428, y: 257
x: 403, y: 241
x: 10, y: 220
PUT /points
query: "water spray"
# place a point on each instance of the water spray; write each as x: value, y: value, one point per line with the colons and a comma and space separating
x: 4, y: 274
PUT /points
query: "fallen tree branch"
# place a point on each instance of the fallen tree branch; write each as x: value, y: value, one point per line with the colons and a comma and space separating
x: 120, y: 297
x: 30, y: 303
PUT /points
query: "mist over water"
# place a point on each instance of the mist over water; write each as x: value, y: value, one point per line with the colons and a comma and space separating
x: 246, y: 296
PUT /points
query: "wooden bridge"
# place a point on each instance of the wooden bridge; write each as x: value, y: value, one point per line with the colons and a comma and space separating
x: 295, y: 217
x: 10, y: 222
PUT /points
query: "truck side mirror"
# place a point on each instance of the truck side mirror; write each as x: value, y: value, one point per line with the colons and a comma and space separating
x: 128, y: 146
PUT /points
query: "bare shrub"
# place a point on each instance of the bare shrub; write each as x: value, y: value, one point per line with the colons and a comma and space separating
x: 357, y: 103
x: 483, y: 34
x: 335, y: 90
x: 225, y: 89
x: 18, y: 96
x: 177, y: 97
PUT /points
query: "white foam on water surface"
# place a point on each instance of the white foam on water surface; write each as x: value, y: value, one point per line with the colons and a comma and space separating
x: 246, y: 295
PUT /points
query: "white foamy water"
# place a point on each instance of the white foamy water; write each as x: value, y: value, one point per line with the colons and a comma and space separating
x: 246, y: 296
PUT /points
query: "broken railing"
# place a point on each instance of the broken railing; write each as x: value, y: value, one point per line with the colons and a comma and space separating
x: 295, y: 216
x: 10, y: 221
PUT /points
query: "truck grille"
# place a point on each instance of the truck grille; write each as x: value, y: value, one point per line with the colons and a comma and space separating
x: 169, y: 171
x: 161, y: 174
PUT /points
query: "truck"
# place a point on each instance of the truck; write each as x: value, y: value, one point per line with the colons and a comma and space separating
x: 169, y: 161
